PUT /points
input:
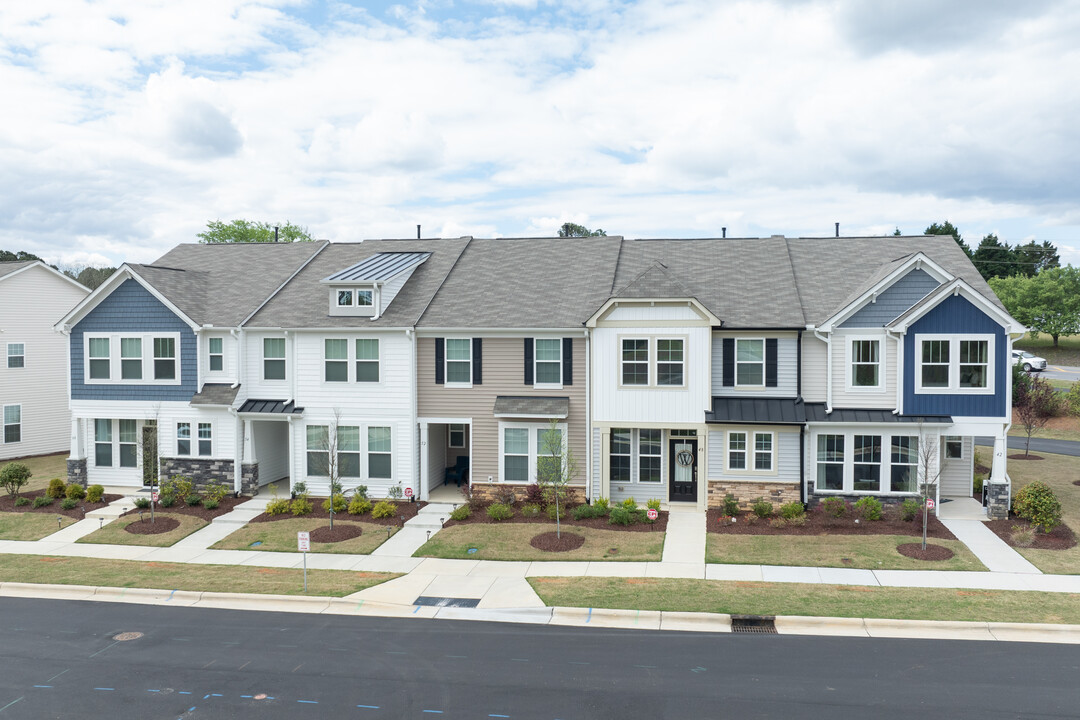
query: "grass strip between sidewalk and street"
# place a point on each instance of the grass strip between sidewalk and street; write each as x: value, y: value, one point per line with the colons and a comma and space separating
x: 761, y: 598
x: 181, y: 576
x: 872, y: 552
x: 280, y: 536
x: 115, y: 534
x: 511, y: 542
x: 29, y: 525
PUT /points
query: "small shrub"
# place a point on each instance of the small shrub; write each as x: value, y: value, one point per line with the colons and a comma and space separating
x: 337, y: 502
x: 142, y: 503
x: 505, y: 496
x: 587, y: 512
x: 360, y: 491
x: 278, y: 506
x: 359, y: 505
x: 166, y: 500
x: 20, y: 501
x: 909, y: 509
x: 629, y: 503
x: 834, y: 507
x: 75, y: 491
x: 69, y: 503
x: 181, y: 486
x: 1022, y: 536
x: 301, y: 505
x: 778, y: 522
x: 763, y: 508
x: 602, y: 502
x: 653, y: 503
x: 44, y: 500
x: 869, y: 508
x: 461, y: 512
x: 299, y: 488
x: 562, y: 512
x: 1070, y: 403
x: 1037, y: 504
x: 500, y: 511
x: 473, y: 500
x: 383, y: 509
x: 55, y: 489
x: 792, y: 510
x: 210, y: 503
x: 977, y: 484
x: 94, y: 493
x: 192, y: 500
x: 395, y: 492
x: 798, y: 520
x: 13, y: 477
x: 731, y: 505
x: 534, y: 495
x: 530, y: 510
x: 216, y: 492
x: 624, y: 516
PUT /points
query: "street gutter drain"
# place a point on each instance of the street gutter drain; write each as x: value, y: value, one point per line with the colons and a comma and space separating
x: 121, y: 637
x: 753, y: 624
x: 447, y: 602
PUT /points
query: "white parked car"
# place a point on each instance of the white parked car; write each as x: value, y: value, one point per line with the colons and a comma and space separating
x: 1028, y: 361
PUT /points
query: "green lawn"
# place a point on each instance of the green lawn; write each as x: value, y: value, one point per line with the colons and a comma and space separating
x: 280, y: 536
x: 873, y: 552
x: 511, y: 542
x: 177, y: 576
x: 29, y: 525
x: 115, y: 534
x: 1057, y: 471
x: 759, y: 598
x: 44, y: 469
x: 1067, y: 352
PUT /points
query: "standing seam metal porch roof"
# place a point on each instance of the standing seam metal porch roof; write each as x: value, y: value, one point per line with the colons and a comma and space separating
x: 381, y: 266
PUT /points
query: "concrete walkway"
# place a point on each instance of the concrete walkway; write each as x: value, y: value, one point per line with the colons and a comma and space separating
x: 992, y: 551
x: 685, y: 539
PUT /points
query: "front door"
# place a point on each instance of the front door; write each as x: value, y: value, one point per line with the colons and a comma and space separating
x: 682, y: 470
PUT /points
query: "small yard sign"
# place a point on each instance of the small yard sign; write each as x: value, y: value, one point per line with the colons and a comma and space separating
x: 408, y: 492
x: 154, y: 496
x: 652, y: 514
x: 303, y: 541
x: 930, y: 503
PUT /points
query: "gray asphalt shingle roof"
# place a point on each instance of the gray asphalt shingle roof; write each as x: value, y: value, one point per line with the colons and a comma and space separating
x: 531, y: 406
x: 10, y: 266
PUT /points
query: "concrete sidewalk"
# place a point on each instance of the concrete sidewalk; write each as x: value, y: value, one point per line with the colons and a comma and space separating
x: 992, y: 551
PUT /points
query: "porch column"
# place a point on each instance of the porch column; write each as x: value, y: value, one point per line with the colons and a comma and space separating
x: 424, y: 472
x: 998, y: 486
x: 249, y: 443
x: 76, y: 462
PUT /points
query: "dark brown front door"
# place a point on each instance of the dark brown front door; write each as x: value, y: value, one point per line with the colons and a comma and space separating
x: 682, y: 470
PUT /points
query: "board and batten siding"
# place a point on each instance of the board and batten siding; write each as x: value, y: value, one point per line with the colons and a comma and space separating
x: 893, y: 301
x: 843, y: 397
x: 31, y: 302
x: 391, y: 397
x: 786, y: 455
x: 787, y: 366
x: 503, y: 374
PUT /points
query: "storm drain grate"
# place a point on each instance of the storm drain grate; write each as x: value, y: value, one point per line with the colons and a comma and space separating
x: 753, y: 624
x: 447, y: 602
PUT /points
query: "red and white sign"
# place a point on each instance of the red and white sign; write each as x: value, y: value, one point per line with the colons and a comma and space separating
x: 652, y: 514
x: 930, y: 503
x: 154, y: 497
x: 303, y: 541
x: 408, y: 492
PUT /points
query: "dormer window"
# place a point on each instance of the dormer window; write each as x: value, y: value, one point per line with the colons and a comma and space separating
x: 363, y: 298
x: 367, y: 288
x: 345, y: 298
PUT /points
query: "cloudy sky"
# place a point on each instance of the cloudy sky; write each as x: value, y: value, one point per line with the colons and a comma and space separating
x: 128, y: 124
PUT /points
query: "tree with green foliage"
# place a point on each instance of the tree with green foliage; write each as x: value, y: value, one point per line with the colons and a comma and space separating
x: 13, y: 477
x: 246, y: 231
x: 1034, y: 406
x: 994, y: 258
x: 91, y: 277
x: 1048, y: 302
x: 556, y: 467
x: 1033, y: 258
x: 18, y: 256
x: 947, y: 228
x: 574, y: 230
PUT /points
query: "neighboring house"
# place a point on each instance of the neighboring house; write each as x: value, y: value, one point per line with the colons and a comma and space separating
x: 34, y: 418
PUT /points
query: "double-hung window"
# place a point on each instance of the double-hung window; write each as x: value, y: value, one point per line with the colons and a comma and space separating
x: 103, y: 455
x: 129, y: 443
x: 669, y: 361
x: 367, y: 360
x: 749, y: 362
x: 866, y: 453
x: 763, y: 451
x: 345, y: 298
x: 935, y: 363
x: 905, y: 462
x: 515, y: 454
x: 974, y: 363
x: 131, y: 359
x: 183, y: 438
x: 955, y: 363
x: 619, y: 452
x: 456, y: 437
x: 363, y: 298
x: 548, y: 359
x: 635, y: 361
x: 164, y: 358
x: 16, y: 355
x: 206, y: 439
x: 100, y: 360
x: 12, y: 423
x: 318, y: 450
x: 830, y: 462
x: 336, y: 360
x: 549, y: 452
x: 379, y: 459
x: 273, y: 358
x: 865, y: 363
x: 736, y: 450
x: 459, y: 361
x: 650, y: 446
x: 348, y: 451
x: 217, y: 354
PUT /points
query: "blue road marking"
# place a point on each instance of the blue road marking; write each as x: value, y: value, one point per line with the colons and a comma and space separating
x: 588, y: 618
x: 184, y: 692
x: 309, y: 702
x: 43, y: 686
x: 104, y: 688
x: 191, y: 708
x: 216, y: 695
x: 414, y: 612
x: 437, y: 712
x: 205, y: 696
x: 170, y: 596
x: 245, y: 696
x: 369, y: 707
x: 502, y: 716
x: 153, y: 691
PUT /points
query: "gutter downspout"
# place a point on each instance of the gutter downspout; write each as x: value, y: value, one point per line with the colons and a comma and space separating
x: 899, y: 338
x: 238, y: 335
x: 238, y: 451
x: 588, y: 420
x: 290, y: 369
x: 420, y: 492
x: 828, y: 368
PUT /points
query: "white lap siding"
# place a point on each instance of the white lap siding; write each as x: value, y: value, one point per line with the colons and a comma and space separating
x: 786, y: 467
x: 957, y: 473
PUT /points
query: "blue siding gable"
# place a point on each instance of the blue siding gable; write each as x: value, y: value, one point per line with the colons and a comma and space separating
x: 894, y: 301
x: 955, y: 315
x: 130, y: 308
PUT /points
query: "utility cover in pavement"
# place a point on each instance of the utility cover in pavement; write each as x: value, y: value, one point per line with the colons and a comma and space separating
x: 447, y: 602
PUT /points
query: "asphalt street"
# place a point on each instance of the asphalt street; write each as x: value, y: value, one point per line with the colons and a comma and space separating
x: 1060, y: 372
x: 62, y: 659
x: 1038, y: 445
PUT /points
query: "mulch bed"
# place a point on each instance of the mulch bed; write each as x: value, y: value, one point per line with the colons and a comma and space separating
x: 932, y: 552
x: 161, y: 524
x: 817, y: 523
x: 1076, y: 482
x: 1060, y: 538
x: 7, y: 504
x: 179, y: 508
x: 480, y: 517
x: 1021, y: 456
x: 551, y: 542
x: 341, y: 531
x: 408, y: 509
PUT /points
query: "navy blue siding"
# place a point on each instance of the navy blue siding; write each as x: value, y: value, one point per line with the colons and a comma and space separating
x: 130, y: 308
x: 896, y: 299
x: 955, y: 315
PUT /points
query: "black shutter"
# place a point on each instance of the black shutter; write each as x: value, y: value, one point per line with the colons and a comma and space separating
x: 477, y: 361
x: 729, y: 362
x: 528, y: 361
x: 770, y: 362
x: 568, y: 361
x: 440, y: 361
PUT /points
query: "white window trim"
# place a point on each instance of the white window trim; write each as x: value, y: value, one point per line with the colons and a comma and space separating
x: 345, y: 360
x: 446, y: 363
x: 745, y: 451
x: 652, y: 361
x: 954, y: 365
x: 192, y: 450
x: 648, y: 361
x: 849, y: 461
x: 750, y: 452
x: 945, y: 446
x: 533, y: 449
x: 762, y: 362
x: 351, y: 296
x: 147, y: 346
x: 209, y: 354
x: 536, y: 366
x: 114, y: 459
x: 656, y: 375
x: 262, y: 359
x: 366, y: 467
x: 611, y: 466
x: 354, y: 359
x: 851, y: 386
x: 772, y: 452
x: 8, y: 356
x: 450, y: 435
x: 635, y: 450
x: 199, y: 439
x: 4, y: 424
x: 363, y: 450
x: 119, y: 444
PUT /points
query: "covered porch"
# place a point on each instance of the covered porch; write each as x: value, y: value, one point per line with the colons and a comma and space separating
x: 445, y: 457
x: 267, y: 445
